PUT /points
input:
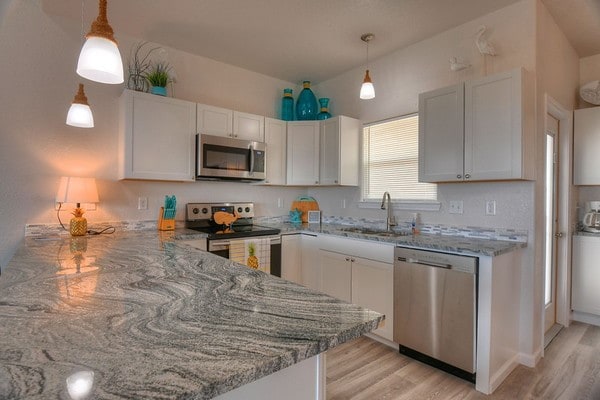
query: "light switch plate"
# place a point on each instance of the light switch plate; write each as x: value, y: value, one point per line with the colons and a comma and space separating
x: 490, y: 207
x: 455, y: 207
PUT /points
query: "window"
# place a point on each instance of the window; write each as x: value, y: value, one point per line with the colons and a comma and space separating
x: 391, y: 161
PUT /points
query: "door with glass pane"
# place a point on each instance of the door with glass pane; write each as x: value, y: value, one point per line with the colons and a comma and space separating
x: 550, y: 221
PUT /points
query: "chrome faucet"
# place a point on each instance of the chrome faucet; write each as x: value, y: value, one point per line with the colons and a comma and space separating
x: 391, y: 221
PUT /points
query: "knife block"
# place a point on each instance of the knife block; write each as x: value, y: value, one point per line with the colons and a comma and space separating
x: 165, y: 224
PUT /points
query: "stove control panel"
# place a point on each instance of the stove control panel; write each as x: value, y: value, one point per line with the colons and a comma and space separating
x: 205, y: 211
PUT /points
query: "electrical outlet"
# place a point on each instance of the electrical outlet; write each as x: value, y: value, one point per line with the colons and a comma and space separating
x: 455, y: 207
x: 142, y: 203
x: 490, y: 207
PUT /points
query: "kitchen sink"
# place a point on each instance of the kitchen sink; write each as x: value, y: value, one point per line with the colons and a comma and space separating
x: 378, y: 232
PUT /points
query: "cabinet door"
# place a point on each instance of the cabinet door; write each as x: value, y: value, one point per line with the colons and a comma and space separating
x: 248, y: 126
x: 275, y: 138
x: 215, y: 121
x: 585, y: 281
x: 336, y: 275
x: 311, y: 266
x: 156, y: 137
x: 303, y: 153
x: 441, y: 133
x: 339, y: 153
x: 586, y: 138
x: 329, y: 165
x: 291, y: 258
x: 493, y: 127
x: 373, y: 288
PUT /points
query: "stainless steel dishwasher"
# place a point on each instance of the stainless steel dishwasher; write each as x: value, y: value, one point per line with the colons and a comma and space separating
x: 435, y: 309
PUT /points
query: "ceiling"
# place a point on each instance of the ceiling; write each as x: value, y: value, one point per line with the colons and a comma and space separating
x: 307, y: 39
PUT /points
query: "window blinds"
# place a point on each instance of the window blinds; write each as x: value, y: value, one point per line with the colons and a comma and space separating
x: 391, y: 161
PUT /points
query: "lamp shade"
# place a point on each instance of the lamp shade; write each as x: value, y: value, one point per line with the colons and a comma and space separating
x: 77, y: 190
x: 100, y: 61
x: 80, y: 115
x: 367, y: 90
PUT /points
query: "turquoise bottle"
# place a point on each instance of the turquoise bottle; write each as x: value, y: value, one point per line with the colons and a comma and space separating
x: 306, y: 105
x: 287, y: 105
x: 324, y: 113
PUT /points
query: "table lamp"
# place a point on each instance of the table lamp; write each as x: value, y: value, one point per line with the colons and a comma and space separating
x: 77, y: 190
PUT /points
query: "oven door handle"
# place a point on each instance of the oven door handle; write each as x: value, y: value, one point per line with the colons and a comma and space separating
x: 218, y: 245
x: 251, y: 159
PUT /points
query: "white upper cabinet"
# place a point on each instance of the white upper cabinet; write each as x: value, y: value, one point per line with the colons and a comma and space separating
x: 586, y: 141
x: 156, y: 137
x: 275, y: 138
x: 248, y: 126
x: 302, y: 153
x: 441, y: 133
x: 215, y: 121
x: 339, y: 154
x: 491, y: 140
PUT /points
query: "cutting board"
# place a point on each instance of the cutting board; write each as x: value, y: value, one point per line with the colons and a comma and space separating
x: 305, y: 204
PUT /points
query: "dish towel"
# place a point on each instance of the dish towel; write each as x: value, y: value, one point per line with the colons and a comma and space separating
x: 254, y: 253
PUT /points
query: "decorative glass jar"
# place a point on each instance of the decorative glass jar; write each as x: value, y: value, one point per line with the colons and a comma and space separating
x: 324, y: 103
x: 287, y: 105
x: 306, y: 105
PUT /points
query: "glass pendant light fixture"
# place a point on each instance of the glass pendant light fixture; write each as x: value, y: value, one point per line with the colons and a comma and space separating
x: 80, y: 113
x: 100, y: 59
x: 367, y: 90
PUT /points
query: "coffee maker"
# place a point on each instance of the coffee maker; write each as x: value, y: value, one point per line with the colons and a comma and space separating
x: 591, y: 219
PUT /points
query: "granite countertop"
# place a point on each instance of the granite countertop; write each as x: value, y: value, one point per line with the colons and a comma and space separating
x: 154, y: 318
x: 453, y: 244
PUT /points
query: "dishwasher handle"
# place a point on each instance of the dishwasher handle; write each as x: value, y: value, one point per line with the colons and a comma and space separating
x: 426, y: 263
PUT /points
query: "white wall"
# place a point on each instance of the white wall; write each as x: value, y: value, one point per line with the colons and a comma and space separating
x: 39, y: 55
x: 400, y: 77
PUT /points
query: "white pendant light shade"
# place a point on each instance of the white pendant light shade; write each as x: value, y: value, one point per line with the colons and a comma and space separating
x: 100, y: 59
x: 80, y: 113
x: 367, y: 90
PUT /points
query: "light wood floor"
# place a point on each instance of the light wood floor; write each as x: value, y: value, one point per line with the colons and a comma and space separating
x: 366, y: 369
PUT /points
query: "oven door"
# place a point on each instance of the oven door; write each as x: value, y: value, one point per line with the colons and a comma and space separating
x: 221, y: 248
x: 227, y: 158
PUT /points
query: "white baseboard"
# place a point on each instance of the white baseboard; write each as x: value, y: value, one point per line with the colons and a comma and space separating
x: 586, y: 318
x: 379, y: 339
x: 530, y: 360
x: 503, y: 372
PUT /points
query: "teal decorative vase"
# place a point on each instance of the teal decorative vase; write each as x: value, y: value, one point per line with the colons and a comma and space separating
x: 159, y: 90
x: 287, y: 105
x: 324, y: 113
x: 306, y: 105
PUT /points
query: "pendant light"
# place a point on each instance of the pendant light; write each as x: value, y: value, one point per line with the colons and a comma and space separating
x: 100, y: 59
x: 80, y: 113
x: 367, y: 90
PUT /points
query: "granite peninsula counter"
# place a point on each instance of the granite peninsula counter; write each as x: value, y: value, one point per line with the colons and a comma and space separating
x: 154, y: 318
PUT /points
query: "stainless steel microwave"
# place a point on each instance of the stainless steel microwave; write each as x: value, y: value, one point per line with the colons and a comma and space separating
x: 220, y: 157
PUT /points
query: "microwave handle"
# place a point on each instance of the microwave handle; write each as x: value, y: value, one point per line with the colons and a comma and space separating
x: 251, y: 159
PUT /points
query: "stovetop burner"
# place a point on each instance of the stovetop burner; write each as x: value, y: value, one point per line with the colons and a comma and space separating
x: 199, y: 217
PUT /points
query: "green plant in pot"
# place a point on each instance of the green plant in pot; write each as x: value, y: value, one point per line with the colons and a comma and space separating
x: 158, y: 77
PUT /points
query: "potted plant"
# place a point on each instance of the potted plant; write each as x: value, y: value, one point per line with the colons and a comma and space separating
x: 158, y: 77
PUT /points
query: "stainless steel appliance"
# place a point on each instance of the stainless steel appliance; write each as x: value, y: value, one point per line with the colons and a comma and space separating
x: 226, y: 158
x: 591, y: 220
x: 199, y: 217
x: 435, y: 309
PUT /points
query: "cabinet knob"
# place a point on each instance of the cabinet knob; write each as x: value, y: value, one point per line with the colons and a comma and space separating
x: 347, y: 258
x: 459, y: 176
x: 558, y: 235
x: 335, y: 181
x: 266, y: 181
x: 316, y: 182
x: 467, y: 176
x: 352, y: 259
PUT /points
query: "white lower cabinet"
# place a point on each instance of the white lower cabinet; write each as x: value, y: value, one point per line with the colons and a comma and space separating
x: 336, y: 275
x: 373, y: 288
x: 366, y: 280
x: 299, y: 260
x: 585, y: 280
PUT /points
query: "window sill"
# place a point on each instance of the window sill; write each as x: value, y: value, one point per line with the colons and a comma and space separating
x: 409, y: 205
